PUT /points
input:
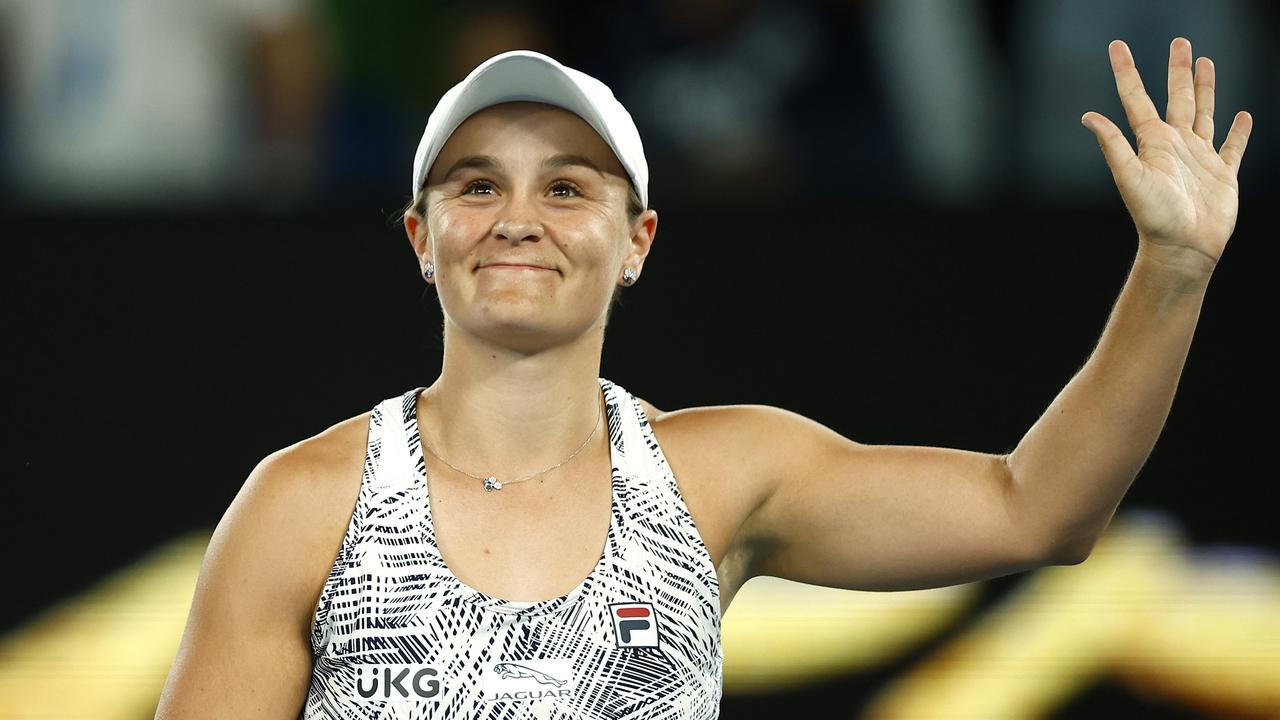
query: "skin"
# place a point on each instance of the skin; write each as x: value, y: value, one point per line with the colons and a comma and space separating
x: 771, y: 492
x: 522, y: 347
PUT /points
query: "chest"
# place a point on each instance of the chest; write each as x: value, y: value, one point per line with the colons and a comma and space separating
x: 530, y: 541
x: 539, y: 539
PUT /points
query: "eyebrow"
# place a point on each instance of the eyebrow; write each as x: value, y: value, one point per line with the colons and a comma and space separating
x: 489, y: 162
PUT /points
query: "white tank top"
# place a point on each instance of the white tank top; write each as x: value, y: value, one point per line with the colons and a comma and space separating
x: 397, y: 635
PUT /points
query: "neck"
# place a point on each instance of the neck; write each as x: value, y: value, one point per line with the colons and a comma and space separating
x: 511, y: 413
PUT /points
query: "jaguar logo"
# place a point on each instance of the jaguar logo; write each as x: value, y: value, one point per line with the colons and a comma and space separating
x: 508, y: 670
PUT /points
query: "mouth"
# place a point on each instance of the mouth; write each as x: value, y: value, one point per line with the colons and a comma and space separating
x: 514, y: 266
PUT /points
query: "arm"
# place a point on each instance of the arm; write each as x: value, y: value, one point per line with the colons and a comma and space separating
x: 245, y: 652
x: 885, y: 517
x: 841, y: 514
x: 1077, y: 461
x: 1075, y: 464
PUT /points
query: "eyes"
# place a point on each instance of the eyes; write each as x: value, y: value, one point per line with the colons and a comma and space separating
x: 557, y: 185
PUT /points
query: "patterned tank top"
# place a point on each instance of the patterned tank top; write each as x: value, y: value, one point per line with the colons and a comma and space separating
x: 397, y: 635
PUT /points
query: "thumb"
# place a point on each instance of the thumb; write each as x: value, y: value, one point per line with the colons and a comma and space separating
x: 1115, y: 146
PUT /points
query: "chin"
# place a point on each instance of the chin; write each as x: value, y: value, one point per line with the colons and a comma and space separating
x: 522, y: 318
x: 526, y: 329
x: 522, y: 338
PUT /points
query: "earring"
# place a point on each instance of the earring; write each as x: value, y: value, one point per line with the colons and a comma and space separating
x: 429, y: 271
x: 629, y: 276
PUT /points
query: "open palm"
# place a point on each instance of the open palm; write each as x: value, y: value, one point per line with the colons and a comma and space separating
x: 1182, y: 194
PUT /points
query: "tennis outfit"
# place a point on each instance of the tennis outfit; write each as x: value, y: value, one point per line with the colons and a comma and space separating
x: 397, y: 635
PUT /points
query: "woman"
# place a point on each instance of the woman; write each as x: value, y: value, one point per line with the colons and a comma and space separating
x: 525, y: 585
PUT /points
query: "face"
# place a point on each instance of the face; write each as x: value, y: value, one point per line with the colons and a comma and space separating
x: 526, y: 223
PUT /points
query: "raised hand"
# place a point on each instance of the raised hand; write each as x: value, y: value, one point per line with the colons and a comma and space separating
x: 1182, y: 194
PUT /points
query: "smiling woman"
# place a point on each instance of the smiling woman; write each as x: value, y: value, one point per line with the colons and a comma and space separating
x: 531, y: 184
x: 405, y: 563
x: 482, y: 164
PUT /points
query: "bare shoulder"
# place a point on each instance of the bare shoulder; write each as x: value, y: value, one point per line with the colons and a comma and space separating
x: 320, y: 477
x: 323, y: 458
x: 292, y: 511
x: 745, y: 432
x: 744, y: 437
x: 751, y: 439
x: 245, y: 648
x: 723, y: 456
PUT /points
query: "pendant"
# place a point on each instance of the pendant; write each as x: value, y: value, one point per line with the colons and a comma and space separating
x: 491, y: 483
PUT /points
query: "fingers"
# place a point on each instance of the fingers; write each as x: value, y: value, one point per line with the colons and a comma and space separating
x: 1115, y: 146
x: 1205, y: 80
x: 1182, y: 98
x: 1133, y: 96
x: 1191, y: 106
x: 1237, y: 138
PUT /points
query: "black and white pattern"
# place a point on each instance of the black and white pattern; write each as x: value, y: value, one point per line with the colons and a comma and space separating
x: 397, y: 635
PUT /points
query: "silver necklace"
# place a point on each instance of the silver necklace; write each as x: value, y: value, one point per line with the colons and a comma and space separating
x: 491, y: 483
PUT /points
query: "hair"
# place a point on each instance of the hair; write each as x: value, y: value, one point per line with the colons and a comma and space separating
x: 418, y: 206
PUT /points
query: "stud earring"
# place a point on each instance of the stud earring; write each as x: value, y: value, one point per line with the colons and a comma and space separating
x: 629, y: 276
x: 429, y: 271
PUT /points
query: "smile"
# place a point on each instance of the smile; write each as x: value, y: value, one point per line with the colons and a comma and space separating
x: 514, y: 267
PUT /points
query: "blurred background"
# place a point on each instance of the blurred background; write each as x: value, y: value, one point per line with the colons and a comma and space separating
x: 884, y: 215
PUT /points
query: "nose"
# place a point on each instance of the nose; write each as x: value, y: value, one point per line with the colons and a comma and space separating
x: 518, y: 224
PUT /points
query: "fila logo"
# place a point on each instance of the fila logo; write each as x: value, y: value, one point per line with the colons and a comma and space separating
x: 634, y: 624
